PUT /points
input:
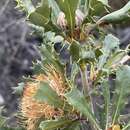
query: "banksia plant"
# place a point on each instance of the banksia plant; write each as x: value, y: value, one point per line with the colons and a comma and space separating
x: 82, y: 80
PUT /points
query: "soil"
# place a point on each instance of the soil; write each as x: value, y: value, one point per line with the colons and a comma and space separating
x: 17, y: 51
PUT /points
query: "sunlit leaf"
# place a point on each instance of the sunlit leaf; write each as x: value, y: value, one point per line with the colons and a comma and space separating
x: 19, y: 88
x: 46, y: 94
x: 110, y: 44
x: 77, y: 99
x: 26, y: 5
x: 115, y: 17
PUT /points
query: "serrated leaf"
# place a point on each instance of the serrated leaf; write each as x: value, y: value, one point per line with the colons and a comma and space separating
x: 48, y: 57
x: 37, y: 67
x: 122, y: 90
x: 26, y: 5
x: 117, y: 16
x: 77, y: 99
x: 54, y: 124
x: 69, y: 7
x: 41, y: 15
x: 110, y: 44
x: 19, y: 88
x: 46, y: 94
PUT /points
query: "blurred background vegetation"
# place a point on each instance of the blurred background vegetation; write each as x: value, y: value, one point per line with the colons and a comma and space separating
x: 18, y: 49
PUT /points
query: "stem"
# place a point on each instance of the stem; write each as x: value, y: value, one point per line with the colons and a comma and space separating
x: 86, y: 88
x: 127, y: 126
x: 84, y: 79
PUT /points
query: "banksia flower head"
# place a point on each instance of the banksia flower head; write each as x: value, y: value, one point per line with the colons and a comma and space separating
x: 34, y: 110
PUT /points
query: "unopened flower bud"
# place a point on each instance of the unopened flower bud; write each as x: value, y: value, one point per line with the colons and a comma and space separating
x: 61, y: 21
x: 79, y: 17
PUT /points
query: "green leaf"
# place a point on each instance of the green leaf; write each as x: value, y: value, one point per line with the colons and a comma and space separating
x: 97, y: 7
x: 75, y: 51
x: 121, y: 92
x: 26, y: 5
x: 41, y: 15
x: 69, y: 7
x: 104, y: 2
x: 8, y: 128
x: 107, y: 107
x: 48, y: 57
x: 98, y: 53
x: 77, y: 99
x: 2, y: 120
x: 84, y: 6
x: 127, y: 127
x: 74, y: 72
x: 46, y: 94
x: 111, y: 43
x: 54, y: 124
x: 117, y: 16
x: 55, y: 10
x: 115, y: 59
x: 87, y: 55
x: 19, y: 88
x: 37, y: 67
x: 74, y: 126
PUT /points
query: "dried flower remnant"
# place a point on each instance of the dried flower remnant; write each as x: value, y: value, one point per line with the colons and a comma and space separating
x: 32, y: 109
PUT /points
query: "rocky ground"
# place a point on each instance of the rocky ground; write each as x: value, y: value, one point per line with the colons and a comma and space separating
x: 18, y: 50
